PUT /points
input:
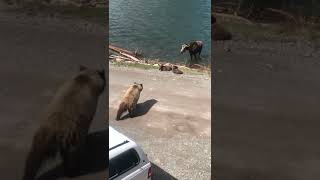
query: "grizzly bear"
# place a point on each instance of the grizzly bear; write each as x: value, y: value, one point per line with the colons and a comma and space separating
x: 66, y: 122
x: 129, y: 100
x: 176, y: 70
x: 165, y: 67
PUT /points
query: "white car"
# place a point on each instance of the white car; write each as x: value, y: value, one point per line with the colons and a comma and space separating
x: 126, y: 159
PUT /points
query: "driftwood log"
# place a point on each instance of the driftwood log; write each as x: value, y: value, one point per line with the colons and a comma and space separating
x: 123, y: 54
x: 120, y: 50
x: 129, y: 56
x: 136, y: 53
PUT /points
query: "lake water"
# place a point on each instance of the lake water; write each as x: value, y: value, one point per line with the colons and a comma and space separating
x: 160, y: 27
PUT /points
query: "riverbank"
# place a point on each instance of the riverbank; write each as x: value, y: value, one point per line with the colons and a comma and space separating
x: 185, y: 70
x: 123, y: 57
x: 155, y: 66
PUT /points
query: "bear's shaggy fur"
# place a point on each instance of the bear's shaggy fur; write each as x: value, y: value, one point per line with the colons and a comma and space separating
x: 176, y: 70
x: 67, y: 121
x: 165, y: 67
x: 130, y: 100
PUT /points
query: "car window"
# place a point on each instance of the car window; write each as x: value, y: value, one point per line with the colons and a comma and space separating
x: 123, y: 163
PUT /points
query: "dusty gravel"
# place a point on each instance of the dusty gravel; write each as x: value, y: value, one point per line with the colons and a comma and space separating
x: 174, y: 120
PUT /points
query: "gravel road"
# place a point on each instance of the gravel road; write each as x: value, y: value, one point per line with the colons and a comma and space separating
x: 173, y: 122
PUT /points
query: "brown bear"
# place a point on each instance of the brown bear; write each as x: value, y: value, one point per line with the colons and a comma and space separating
x: 129, y: 100
x: 165, y: 67
x: 176, y: 70
x: 66, y: 123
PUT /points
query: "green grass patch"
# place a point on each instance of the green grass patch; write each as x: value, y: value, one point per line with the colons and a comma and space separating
x: 272, y: 32
x: 150, y: 67
x: 135, y: 65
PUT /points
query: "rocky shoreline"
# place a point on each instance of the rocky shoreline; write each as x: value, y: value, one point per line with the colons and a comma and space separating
x: 123, y: 56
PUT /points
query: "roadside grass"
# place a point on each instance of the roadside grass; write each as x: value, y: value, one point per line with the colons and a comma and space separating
x: 287, y: 32
x: 134, y: 65
x: 151, y: 67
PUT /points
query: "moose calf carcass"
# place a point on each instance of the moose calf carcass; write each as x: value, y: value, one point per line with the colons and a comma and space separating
x: 194, y: 48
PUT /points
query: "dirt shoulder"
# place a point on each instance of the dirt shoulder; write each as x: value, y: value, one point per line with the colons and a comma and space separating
x: 173, y: 124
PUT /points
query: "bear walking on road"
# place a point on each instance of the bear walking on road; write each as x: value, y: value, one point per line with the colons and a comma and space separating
x: 130, y: 100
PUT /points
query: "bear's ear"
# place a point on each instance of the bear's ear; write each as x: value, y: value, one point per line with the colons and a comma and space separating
x: 102, y: 73
x: 141, y: 85
x: 82, y: 67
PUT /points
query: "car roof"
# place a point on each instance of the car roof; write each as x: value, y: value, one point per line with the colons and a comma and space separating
x: 118, y: 143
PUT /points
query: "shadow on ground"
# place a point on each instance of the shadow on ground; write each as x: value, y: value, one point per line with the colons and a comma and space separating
x: 160, y: 174
x: 142, y: 108
x: 95, y: 158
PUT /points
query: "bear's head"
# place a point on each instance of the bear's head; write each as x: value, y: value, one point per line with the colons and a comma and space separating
x: 139, y: 86
x: 95, y: 78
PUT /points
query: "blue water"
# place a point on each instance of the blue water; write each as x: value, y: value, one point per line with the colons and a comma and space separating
x: 160, y: 27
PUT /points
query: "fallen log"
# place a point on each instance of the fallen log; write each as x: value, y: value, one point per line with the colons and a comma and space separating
x: 120, y: 50
x: 129, y: 56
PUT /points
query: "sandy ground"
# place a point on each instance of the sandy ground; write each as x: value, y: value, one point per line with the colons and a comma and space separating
x: 266, y: 111
x: 173, y: 120
x: 37, y: 54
